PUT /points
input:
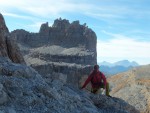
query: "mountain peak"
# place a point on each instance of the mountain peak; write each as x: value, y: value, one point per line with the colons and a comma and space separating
x: 8, y: 47
x: 2, y: 24
x: 44, y: 28
x: 61, y: 23
x: 124, y: 63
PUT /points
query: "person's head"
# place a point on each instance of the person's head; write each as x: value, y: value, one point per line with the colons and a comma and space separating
x: 96, y: 67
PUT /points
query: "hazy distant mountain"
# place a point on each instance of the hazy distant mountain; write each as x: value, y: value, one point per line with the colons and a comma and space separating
x: 124, y: 63
x: 108, y: 71
x: 113, y: 68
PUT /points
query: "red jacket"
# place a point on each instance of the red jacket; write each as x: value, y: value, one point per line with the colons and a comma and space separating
x: 95, y: 73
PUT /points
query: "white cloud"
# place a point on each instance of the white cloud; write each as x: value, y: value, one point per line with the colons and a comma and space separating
x: 18, y: 16
x: 110, y: 12
x: 43, y: 8
x: 103, y: 16
x: 8, y: 3
x: 122, y: 47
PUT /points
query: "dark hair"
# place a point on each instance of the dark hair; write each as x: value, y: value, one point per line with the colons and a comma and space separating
x: 96, y: 67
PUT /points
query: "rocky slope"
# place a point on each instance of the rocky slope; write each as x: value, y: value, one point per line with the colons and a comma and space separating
x: 23, y: 90
x: 134, y: 87
x: 8, y: 47
x: 62, y: 48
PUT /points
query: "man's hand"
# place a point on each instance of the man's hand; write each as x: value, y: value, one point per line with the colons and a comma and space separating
x: 80, y: 87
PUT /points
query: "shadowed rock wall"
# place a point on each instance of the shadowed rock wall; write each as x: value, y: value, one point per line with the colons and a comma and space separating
x: 8, y: 47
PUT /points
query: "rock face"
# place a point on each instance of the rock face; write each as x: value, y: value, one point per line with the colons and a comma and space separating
x: 63, y: 48
x: 8, y: 47
x: 134, y: 87
x: 64, y: 35
x: 23, y: 90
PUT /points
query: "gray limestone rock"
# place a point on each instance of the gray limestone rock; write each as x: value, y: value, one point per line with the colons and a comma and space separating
x: 62, y: 48
x: 27, y: 92
x: 3, y: 95
x: 62, y: 33
x: 8, y: 47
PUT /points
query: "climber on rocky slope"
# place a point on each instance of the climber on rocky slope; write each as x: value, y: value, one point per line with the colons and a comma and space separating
x: 98, y: 81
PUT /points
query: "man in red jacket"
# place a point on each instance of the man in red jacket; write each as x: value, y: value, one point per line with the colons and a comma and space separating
x: 98, y: 80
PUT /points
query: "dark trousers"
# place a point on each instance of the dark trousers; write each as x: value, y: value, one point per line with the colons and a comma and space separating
x: 96, y: 90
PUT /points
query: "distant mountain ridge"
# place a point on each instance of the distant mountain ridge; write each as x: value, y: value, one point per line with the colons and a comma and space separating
x: 124, y: 63
x: 114, y: 68
x: 109, y: 71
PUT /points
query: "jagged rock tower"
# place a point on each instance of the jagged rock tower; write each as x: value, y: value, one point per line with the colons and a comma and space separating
x: 68, y: 48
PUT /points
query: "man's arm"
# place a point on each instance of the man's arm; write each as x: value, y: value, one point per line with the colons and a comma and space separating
x: 104, y: 79
x: 87, y: 80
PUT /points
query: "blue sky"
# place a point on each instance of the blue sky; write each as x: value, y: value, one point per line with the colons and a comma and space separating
x: 122, y: 26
